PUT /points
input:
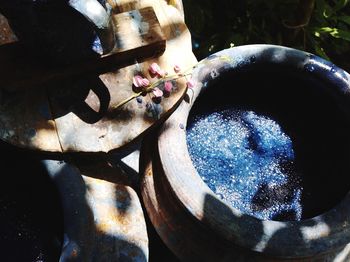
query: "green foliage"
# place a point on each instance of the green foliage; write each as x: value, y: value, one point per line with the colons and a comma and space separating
x: 219, y: 24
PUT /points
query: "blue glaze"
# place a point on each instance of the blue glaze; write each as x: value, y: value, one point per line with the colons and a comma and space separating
x: 333, y: 69
x: 328, y: 72
x: 247, y: 160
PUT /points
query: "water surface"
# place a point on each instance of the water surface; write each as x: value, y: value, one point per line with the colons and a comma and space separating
x: 248, y: 161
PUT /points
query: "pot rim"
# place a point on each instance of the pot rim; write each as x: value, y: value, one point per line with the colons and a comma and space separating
x: 307, y: 237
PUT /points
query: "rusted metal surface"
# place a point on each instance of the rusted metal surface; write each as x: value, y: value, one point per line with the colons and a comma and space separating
x: 95, y: 12
x: 6, y: 34
x: 91, y: 124
x: 195, y: 223
x: 135, y: 4
x: 82, y: 108
x: 103, y: 221
x: 138, y: 36
x: 26, y: 120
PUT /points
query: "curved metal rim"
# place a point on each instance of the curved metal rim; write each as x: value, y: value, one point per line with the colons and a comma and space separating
x: 96, y: 14
x: 305, y: 238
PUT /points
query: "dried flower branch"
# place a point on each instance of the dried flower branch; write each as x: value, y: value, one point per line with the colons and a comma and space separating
x: 146, y: 87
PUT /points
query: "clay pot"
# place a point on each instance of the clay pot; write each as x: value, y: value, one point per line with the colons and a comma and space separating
x: 310, y: 98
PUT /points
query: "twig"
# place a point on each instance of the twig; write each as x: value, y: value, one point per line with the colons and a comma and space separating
x: 148, y: 89
x: 163, y: 79
x: 302, y: 18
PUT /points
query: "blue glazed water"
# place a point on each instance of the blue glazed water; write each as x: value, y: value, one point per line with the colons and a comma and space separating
x: 248, y: 161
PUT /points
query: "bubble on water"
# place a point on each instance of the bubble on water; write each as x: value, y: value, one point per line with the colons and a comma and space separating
x: 241, y: 63
x: 333, y: 69
x: 309, y: 67
x: 248, y: 161
x: 214, y: 74
x: 253, y: 59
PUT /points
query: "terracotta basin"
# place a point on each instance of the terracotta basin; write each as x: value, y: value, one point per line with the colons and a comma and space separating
x: 310, y: 98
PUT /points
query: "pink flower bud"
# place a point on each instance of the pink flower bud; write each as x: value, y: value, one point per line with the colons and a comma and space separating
x: 168, y: 86
x: 190, y: 83
x: 157, y: 92
x: 139, y: 81
x: 177, y: 69
x: 162, y: 73
x: 145, y: 82
x: 154, y: 69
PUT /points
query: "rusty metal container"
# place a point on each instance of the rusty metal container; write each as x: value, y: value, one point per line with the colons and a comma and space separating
x: 194, y: 222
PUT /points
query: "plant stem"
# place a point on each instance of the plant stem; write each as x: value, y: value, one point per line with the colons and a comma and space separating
x: 302, y: 18
x: 149, y: 89
x: 304, y: 11
x: 127, y: 100
x: 158, y: 82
